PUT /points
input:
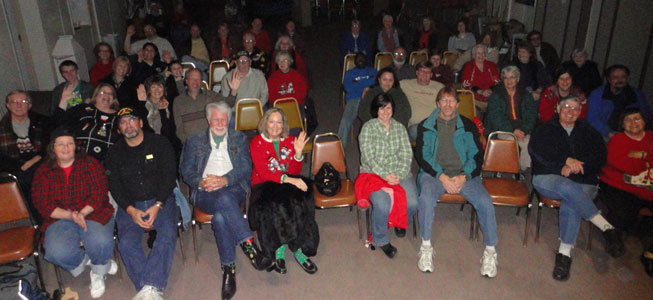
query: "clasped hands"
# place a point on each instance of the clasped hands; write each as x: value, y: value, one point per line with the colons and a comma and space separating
x: 213, y: 182
x: 572, y: 166
x: 454, y: 184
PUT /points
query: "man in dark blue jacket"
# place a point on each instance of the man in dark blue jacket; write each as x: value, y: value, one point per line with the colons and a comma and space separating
x: 217, y: 165
x: 355, y: 82
x: 355, y: 41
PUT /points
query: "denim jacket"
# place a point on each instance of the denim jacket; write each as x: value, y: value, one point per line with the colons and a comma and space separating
x: 196, y: 154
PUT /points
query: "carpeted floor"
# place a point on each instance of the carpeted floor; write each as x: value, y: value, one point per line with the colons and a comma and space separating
x: 348, y: 270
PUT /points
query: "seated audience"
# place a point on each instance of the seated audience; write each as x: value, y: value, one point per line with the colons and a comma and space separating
x: 258, y: 58
x: 425, y: 37
x: 163, y: 47
x: 141, y: 170
x: 450, y: 156
x: 386, y: 83
x: 194, y: 50
x: 564, y: 88
x: 421, y: 93
x: 244, y: 82
x: 545, y: 52
x: 285, y: 43
x: 189, y: 106
x: 149, y: 63
x: 442, y: 73
x: 73, y: 91
x: 122, y: 82
x: 629, y: 153
x: 567, y: 158
x: 480, y: 75
x: 70, y: 193
x: 261, y: 36
x: 276, y: 185
x: 94, y: 124
x: 400, y: 65
x: 356, y: 80
x: 584, y: 72
x: 159, y: 117
x: 387, y: 39
x: 23, y: 139
x: 492, y: 52
x: 290, y: 30
x: 355, y: 41
x: 462, y: 40
x: 286, y: 82
x: 216, y: 164
x: 175, y: 84
x: 223, y: 45
x: 607, y: 102
x: 104, y: 62
x: 511, y: 108
x: 385, y: 180
x: 534, y: 77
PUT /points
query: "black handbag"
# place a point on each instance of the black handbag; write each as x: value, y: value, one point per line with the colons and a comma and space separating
x: 327, y: 180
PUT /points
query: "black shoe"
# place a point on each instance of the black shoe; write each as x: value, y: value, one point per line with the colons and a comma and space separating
x: 648, y: 263
x: 308, y: 266
x: 228, y: 281
x: 255, y: 256
x: 613, y: 243
x: 280, y: 266
x: 561, y: 269
x: 400, y: 232
x: 389, y: 250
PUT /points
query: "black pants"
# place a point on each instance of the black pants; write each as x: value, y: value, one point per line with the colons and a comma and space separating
x: 623, y: 209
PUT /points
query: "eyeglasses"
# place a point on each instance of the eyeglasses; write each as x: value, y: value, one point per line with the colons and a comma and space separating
x: 511, y: 77
x: 19, y: 101
x: 571, y: 107
x: 248, y: 41
x: 105, y: 93
x: 243, y: 61
x: 130, y: 120
x: 63, y: 144
x: 400, y: 53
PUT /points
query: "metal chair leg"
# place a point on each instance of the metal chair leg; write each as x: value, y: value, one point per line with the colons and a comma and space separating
x: 57, y: 273
x: 180, y: 227
x: 537, y: 223
x: 528, y: 214
x: 415, y: 225
x: 197, y: 258
x: 472, y: 224
x: 39, y: 271
x: 360, y: 225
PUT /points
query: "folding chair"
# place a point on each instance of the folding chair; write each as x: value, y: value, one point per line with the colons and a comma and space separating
x: 327, y: 148
x: 249, y: 112
x: 417, y: 57
x: 19, y: 233
x: 467, y: 103
x: 382, y: 60
x: 449, y: 58
x: 543, y: 201
x: 502, y: 156
x: 217, y: 70
x: 290, y: 108
x: 185, y: 66
x: 347, y: 65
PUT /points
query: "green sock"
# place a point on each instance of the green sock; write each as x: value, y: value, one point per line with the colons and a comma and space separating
x: 299, y: 255
x: 279, y: 253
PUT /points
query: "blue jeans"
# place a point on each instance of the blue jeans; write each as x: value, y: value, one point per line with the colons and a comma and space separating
x: 576, y: 202
x: 229, y: 226
x: 381, y: 209
x: 62, y: 245
x: 431, y: 190
x: 153, y: 269
x: 348, y: 117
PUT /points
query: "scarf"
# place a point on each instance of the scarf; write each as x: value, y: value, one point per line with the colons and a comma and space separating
x: 388, y: 39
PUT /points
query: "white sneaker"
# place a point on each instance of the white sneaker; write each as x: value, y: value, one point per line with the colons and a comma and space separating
x: 425, y: 263
x: 97, y: 285
x: 148, y: 292
x: 113, y: 269
x: 489, y: 263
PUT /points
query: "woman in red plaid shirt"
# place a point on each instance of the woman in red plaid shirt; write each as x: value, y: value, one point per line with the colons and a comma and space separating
x: 70, y: 193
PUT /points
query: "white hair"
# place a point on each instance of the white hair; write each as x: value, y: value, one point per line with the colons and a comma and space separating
x: 219, y: 106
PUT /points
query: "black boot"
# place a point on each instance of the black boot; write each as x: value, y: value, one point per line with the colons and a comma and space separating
x: 389, y: 250
x: 255, y: 256
x: 562, y: 267
x: 613, y: 243
x: 228, y: 281
x: 400, y: 232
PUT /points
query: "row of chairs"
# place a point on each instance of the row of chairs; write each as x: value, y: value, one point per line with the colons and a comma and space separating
x: 217, y: 70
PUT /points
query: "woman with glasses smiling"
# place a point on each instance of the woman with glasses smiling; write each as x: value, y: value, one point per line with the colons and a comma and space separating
x: 568, y: 154
x: 94, y: 123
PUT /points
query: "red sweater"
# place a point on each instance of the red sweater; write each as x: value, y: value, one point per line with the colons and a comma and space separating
x: 99, y: 71
x: 474, y: 77
x: 262, y: 40
x: 87, y: 185
x: 368, y: 183
x: 619, y: 164
x: 550, y: 98
x: 291, y: 84
x: 269, y: 167
x: 299, y: 64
